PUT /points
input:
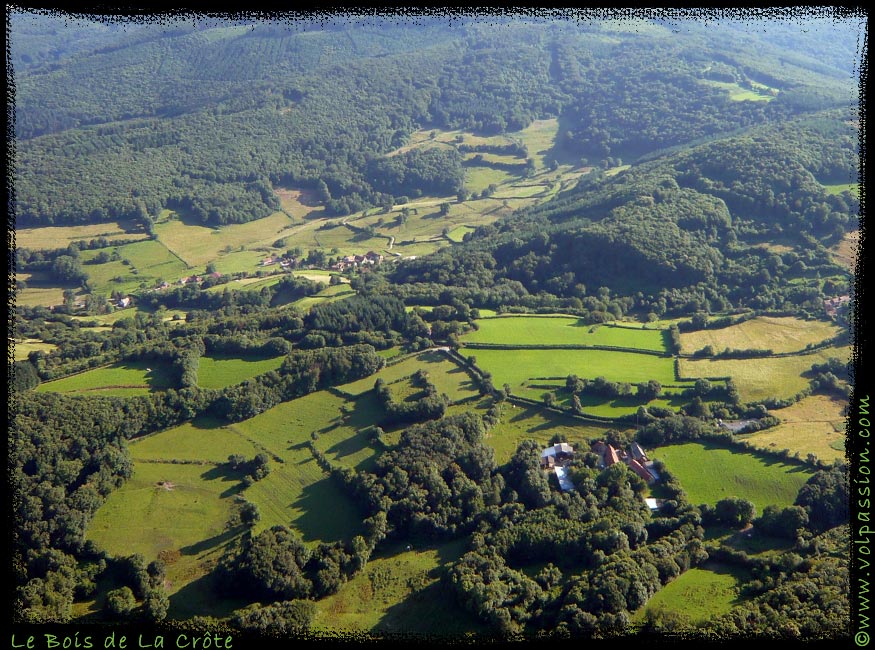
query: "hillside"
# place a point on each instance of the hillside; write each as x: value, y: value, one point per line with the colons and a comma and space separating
x: 470, y: 325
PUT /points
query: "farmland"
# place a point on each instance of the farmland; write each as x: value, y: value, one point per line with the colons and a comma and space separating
x: 814, y: 425
x: 204, y: 439
x: 534, y: 330
x: 218, y: 371
x: 121, y: 379
x: 759, y: 379
x: 176, y: 511
x: 444, y: 374
x: 779, y: 334
x: 708, y: 473
x: 25, y: 347
x: 51, y: 237
x: 697, y: 595
x: 522, y: 367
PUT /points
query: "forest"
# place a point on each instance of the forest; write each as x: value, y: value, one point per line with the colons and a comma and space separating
x: 349, y: 444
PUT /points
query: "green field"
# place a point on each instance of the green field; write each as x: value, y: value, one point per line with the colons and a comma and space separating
x: 51, y: 237
x: 709, y: 473
x: 204, y: 439
x: 739, y: 94
x: 697, y: 595
x: 221, y: 370
x: 184, y: 519
x: 779, y: 334
x: 458, y: 233
x: 25, y: 347
x: 759, y: 379
x: 328, y: 294
x: 838, y: 188
x: 399, y: 591
x: 120, y: 379
x: 538, y: 330
x: 814, y: 425
x: 444, y: 374
x: 519, y: 368
x: 296, y: 491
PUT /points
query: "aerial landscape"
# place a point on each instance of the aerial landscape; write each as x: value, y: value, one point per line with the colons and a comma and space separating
x: 451, y: 325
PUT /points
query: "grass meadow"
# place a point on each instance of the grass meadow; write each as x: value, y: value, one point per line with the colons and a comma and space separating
x: 25, y: 347
x: 697, y: 595
x: 708, y: 473
x: 814, y: 425
x: 779, y: 334
x: 204, y: 439
x: 120, y: 379
x: 220, y: 370
x: 759, y: 379
x: 521, y: 368
x: 184, y: 523
x: 51, y: 237
x: 538, y: 330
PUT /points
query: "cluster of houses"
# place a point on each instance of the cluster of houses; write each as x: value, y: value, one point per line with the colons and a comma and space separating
x: 832, y: 305
x: 557, y: 456
x: 635, y: 459
x: 357, y: 261
x: 284, y: 261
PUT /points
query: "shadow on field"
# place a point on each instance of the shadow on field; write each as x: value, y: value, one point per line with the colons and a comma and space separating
x: 225, y: 474
x: 212, y: 542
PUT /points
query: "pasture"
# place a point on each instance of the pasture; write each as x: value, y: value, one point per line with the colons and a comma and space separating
x: 398, y: 592
x: 739, y: 94
x: 221, y: 370
x: 708, y: 473
x: 51, y: 237
x: 39, y: 291
x: 779, y: 334
x: 178, y: 512
x: 121, y: 379
x: 697, y: 595
x: 25, y: 347
x: 759, y: 379
x: 447, y: 377
x: 458, y: 233
x: 204, y: 439
x: 838, y: 188
x: 540, y: 330
x: 814, y: 425
x: 520, y: 368
x: 297, y: 492
x: 328, y: 294
x: 198, y: 244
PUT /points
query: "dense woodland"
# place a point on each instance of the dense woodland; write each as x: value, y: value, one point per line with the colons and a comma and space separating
x: 208, y: 117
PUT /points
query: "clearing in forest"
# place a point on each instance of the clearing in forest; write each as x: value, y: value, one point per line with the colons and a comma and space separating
x: 779, y: 334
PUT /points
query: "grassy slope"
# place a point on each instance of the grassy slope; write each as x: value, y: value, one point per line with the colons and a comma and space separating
x: 122, y: 379
x: 219, y: 370
x: 759, y: 379
x: 782, y: 334
x: 533, y: 330
x: 709, y: 473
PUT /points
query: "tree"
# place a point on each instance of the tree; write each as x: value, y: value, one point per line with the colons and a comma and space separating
x: 156, y: 604
x: 249, y: 514
x: 445, y: 209
x: 549, y: 399
x: 121, y: 602
x: 734, y: 512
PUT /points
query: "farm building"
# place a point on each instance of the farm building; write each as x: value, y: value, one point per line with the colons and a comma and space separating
x: 635, y: 459
x: 556, y: 455
x: 564, y: 482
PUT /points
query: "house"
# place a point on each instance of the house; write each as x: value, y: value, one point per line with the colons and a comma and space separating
x: 653, y: 504
x: 267, y: 261
x: 641, y: 471
x: 832, y: 305
x: 124, y: 302
x: 611, y: 457
x: 374, y: 258
x: 637, y: 452
x: 556, y: 455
